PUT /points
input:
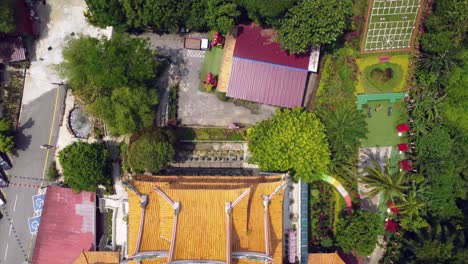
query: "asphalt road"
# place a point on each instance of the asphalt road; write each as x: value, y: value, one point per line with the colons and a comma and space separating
x: 39, y: 121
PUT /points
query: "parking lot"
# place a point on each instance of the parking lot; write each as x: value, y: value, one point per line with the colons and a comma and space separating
x: 197, y: 108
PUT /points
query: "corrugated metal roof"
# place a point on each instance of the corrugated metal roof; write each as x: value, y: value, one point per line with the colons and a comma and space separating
x: 256, y: 43
x: 11, y: 49
x: 267, y: 83
x: 67, y: 226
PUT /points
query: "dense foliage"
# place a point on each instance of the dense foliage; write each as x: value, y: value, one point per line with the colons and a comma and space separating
x: 221, y: 15
x: 85, y: 166
x: 440, y: 134
x: 7, y: 19
x: 292, y: 140
x: 358, y: 233
x: 298, y: 31
x: 6, y: 139
x: 115, y: 78
x: 267, y: 13
x: 335, y: 105
x: 151, y: 151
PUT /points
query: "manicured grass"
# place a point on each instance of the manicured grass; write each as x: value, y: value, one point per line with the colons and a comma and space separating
x: 400, y: 75
x: 382, y: 128
x: 211, y: 64
x: 222, y: 134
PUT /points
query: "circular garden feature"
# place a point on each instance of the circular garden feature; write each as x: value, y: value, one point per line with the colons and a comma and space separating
x: 384, y: 76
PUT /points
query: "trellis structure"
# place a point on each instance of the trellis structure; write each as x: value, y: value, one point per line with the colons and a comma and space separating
x: 391, y: 25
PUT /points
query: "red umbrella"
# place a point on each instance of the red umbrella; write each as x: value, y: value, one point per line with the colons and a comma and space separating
x: 402, y: 128
x: 403, y: 147
x: 391, y: 226
x: 405, y: 165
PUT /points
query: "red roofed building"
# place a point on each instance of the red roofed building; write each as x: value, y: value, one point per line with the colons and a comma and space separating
x: 67, y: 228
x: 11, y: 49
x: 263, y: 73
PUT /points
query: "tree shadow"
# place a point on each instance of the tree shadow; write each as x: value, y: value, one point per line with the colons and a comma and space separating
x: 22, y: 141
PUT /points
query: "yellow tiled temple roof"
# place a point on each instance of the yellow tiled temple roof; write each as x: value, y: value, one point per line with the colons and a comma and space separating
x: 98, y: 257
x: 201, y: 232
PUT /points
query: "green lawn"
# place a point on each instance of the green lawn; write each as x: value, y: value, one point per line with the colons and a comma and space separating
x: 365, y: 62
x: 211, y: 64
x: 382, y: 128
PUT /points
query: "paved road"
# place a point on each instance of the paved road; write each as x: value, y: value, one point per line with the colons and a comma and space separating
x: 37, y: 126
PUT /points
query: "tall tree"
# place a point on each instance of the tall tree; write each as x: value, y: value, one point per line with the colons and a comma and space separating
x: 385, y: 181
x: 221, y: 15
x: 300, y: 29
x: 127, y: 109
x: 85, y: 166
x: 104, y: 13
x: 345, y: 127
x: 93, y: 67
x: 151, y: 151
x: 115, y: 78
x: 7, y: 19
x: 6, y: 139
x: 266, y: 12
x: 292, y: 140
x: 359, y: 232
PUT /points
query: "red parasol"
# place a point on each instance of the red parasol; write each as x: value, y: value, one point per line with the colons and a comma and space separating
x: 391, y: 226
x: 403, y: 147
x: 405, y: 165
x: 402, y: 128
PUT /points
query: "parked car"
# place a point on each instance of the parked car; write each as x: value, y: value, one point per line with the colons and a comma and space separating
x: 4, y: 161
x: 2, y: 200
x: 3, y: 179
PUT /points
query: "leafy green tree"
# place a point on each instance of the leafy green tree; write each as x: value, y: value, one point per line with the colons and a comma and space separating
x: 300, y: 29
x: 85, y: 166
x: 345, y: 127
x: 384, y: 181
x: 6, y: 140
x: 126, y: 110
x: 7, y: 19
x: 266, y: 12
x: 221, y: 15
x: 196, y: 20
x: 104, y: 13
x: 151, y: 151
x: 164, y: 15
x: 114, y: 78
x: 93, y: 67
x: 292, y: 140
x: 359, y: 233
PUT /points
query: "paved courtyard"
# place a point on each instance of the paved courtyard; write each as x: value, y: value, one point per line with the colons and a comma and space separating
x: 197, y: 108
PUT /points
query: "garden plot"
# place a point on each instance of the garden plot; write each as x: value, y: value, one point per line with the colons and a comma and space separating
x: 391, y: 24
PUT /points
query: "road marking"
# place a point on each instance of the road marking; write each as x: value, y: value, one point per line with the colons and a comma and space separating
x: 6, y: 252
x: 11, y: 227
x: 50, y: 135
x: 16, y: 200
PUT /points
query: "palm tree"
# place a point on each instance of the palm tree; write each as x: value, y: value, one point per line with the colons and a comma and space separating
x: 411, y: 205
x: 345, y: 127
x: 383, y: 180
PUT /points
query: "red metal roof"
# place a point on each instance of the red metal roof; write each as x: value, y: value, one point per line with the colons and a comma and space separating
x: 11, y: 49
x: 256, y: 43
x: 67, y: 226
x: 267, y: 83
